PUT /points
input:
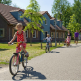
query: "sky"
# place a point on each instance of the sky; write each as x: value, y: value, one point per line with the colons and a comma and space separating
x: 45, y: 5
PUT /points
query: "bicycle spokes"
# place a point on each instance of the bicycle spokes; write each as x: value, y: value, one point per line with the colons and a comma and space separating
x: 14, y: 64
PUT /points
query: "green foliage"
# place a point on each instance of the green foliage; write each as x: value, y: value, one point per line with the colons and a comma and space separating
x: 8, y: 2
x: 36, y: 18
x: 77, y: 10
x: 64, y: 7
x: 73, y: 25
x: 34, y: 6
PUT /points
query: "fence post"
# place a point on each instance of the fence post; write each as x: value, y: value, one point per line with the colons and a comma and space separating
x: 56, y: 43
x: 59, y: 42
x: 41, y: 44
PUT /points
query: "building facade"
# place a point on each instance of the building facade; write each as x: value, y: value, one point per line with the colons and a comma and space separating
x: 10, y: 16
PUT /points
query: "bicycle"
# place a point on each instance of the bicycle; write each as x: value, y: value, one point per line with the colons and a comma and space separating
x: 47, y: 49
x: 15, y: 60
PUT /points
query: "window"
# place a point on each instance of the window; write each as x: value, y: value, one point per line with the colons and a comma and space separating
x: 27, y: 34
x: 45, y: 34
x: 52, y: 34
x: 46, y: 22
x: 57, y: 35
x: 61, y: 35
x: 1, y: 32
x: 34, y: 34
x: 20, y: 14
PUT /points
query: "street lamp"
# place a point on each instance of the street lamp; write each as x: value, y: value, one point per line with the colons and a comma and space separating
x: 55, y: 26
x: 55, y: 30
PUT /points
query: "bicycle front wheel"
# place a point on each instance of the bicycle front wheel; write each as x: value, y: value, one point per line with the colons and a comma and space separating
x: 25, y: 61
x: 13, y: 65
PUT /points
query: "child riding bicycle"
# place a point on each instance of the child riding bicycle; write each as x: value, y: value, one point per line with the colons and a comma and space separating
x: 67, y: 41
x: 21, y: 36
x: 48, y: 39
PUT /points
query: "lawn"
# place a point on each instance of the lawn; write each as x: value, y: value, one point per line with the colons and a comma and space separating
x: 34, y: 50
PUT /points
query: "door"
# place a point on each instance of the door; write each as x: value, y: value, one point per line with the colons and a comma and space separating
x: 45, y: 35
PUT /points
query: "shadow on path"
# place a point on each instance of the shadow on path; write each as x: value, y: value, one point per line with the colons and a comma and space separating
x: 54, y: 52
x: 3, y: 49
x: 28, y: 73
x: 70, y: 46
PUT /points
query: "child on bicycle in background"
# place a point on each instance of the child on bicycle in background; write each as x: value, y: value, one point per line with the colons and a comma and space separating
x: 21, y: 37
x: 48, y: 39
x: 68, y: 40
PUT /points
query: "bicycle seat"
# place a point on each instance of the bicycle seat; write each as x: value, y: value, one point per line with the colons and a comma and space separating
x: 47, y: 43
x: 15, y: 53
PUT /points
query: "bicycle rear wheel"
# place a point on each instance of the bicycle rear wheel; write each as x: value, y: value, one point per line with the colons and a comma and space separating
x: 49, y: 49
x: 13, y: 65
x: 46, y: 50
x: 25, y: 61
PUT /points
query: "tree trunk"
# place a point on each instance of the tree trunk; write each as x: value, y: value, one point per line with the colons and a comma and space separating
x: 30, y: 39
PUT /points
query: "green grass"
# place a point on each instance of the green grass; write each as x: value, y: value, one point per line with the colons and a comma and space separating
x: 3, y: 63
x: 35, y: 50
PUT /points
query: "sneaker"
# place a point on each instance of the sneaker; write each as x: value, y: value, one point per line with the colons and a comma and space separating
x: 15, y: 64
x: 27, y: 54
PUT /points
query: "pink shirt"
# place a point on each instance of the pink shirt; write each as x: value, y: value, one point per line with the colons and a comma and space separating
x: 68, y: 39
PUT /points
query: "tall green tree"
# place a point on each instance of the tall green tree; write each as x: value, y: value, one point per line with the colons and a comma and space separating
x: 32, y: 13
x: 77, y: 10
x: 73, y: 25
x: 64, y: 7
x: 8, y: 2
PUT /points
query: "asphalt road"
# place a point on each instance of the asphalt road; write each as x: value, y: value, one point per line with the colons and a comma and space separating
x: 61, y: 64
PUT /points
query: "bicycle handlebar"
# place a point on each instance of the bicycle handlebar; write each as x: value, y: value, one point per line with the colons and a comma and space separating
x: 15, y: 43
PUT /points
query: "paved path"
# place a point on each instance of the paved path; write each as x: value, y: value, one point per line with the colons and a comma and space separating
x: 62, y: 64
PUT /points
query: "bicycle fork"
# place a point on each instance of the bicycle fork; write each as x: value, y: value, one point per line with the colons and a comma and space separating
x: 17, y: 59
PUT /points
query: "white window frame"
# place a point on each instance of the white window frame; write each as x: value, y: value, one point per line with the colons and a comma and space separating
x: 19, y: 16
x: 3, y: 31
x: 26, y: 33
x: 52, y: 34
x: 35, y: 34
x: 45, y: 21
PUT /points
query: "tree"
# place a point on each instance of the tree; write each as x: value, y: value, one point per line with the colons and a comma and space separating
x: 64, y: 7
x: 77, y: 10
x: 8, y: 2
x: 73, y: 25
x: 66, y: 15
x: 32, y: 13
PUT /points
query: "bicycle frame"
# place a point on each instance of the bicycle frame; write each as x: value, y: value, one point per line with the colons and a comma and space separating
x: 47, y: 44
x: 18, y: 56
